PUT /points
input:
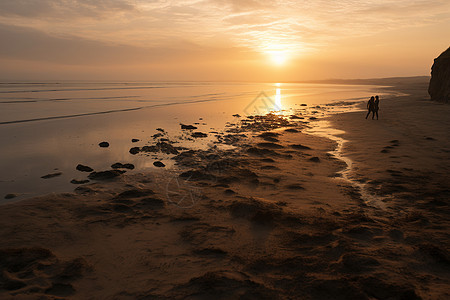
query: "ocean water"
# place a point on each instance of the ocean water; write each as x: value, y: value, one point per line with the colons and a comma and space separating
x: 50, y: 127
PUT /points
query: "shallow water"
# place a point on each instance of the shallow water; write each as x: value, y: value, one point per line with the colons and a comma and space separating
x: 323, y: 129
x: 50, y: 127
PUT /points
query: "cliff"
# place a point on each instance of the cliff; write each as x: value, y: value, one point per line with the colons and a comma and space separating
x: 439, y: 88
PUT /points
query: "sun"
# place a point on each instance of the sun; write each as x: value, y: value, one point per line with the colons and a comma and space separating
x: 278, y: 57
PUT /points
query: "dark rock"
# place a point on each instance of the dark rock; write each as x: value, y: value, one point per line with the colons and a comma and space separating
x: 159, y: 164
x: 199, y: 134
x: 122, y: 166
x: 267, y: 160
x: 84, y: 168
x: 269, y: 136
x: 291, y: 130
x: 104, y: 175
x: 300, y: 147
x: 12, y: 285
x: 135, y: 193
x: 195, y: 175
x: 160, y: 147
x: 76, y: 181
x: 295, y: 187
x: 439, y: 88
x: 51, y: 175
x: 74, y: 269
x: 315, y: 159
x: 260, y: 152
x: 10, y: 196
x: 229, y: 192
x: 304, y: 105
x: 294, y: 117
x: 255, y: 210
x: 135, y: 150
x: 237, y: 115
x: 160, y: 129
x: 189, y: 127
x: 312, y: 118
x: 104, y: 144
x: 60, y: 289
x: 13, y: 260
x: 121, y: 208
x: 134, y: 140
x: 153, y: 203
x: 270, y: 145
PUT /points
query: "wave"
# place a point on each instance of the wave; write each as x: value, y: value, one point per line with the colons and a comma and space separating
x: 28, y: 100
x: 82, y: 89
x: 113, y: 111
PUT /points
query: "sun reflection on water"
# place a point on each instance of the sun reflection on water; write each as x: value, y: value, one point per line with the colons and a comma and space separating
x: 278, y: 99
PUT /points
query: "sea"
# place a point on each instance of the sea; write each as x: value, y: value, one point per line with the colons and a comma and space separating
x: 49, y: 127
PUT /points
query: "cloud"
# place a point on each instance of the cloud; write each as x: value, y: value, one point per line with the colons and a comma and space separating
x: 28, y: 44
x: 296, y: 26
x: 21, y: 43
x: 60, y: 9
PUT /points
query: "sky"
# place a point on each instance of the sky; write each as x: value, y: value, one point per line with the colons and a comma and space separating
x: 233, y: 40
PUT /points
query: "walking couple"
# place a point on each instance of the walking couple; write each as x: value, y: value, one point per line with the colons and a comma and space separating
x: 373, y: 106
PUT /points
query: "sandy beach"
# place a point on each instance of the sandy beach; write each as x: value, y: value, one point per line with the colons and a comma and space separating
x: 281, y: 215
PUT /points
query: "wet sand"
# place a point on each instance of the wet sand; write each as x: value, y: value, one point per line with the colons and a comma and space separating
x: 275, y: 217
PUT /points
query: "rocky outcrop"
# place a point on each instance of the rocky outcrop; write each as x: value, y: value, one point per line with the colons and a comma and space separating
x: 439, y: 88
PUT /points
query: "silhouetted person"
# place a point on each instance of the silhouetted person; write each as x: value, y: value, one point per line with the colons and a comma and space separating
x: 370, y: 107
x: 376, y: 106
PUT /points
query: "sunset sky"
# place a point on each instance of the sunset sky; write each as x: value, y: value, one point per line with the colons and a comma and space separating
x: 252, y: 40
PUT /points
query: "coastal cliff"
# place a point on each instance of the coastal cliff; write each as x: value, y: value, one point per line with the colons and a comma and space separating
x: 439, y: 88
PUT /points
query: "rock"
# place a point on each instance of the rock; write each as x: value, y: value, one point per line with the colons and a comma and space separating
x: 159, y: 164
x: 237, y: 115
x: 439, y: 88
x: 300, y: 147
x: 134, y: 140
x: 76, y: 181
x: 163, y: 147
x: 160, y: 129
x: 295, y: 186
x: 135, y: 150
x: 122, y: 166
x: 260, y: 152
x: 312, y: 118
x: 268, y: 135
x: 51, y: 175
x: 10, y: 196
x: 199, y: 134
x: 104, y: 144
x: 104, y: 175
x: 152, y: 203
x: 270, y: 145
x: 84, y: 168
x: 135, y: 193
x: 187, y: 127
x: 315, y: 159
x: 229, y: 192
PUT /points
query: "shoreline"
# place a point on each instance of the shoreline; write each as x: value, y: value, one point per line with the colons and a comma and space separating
x: 271, y: 218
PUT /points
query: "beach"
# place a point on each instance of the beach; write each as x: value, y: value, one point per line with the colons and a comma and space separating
x: 305, y: 204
